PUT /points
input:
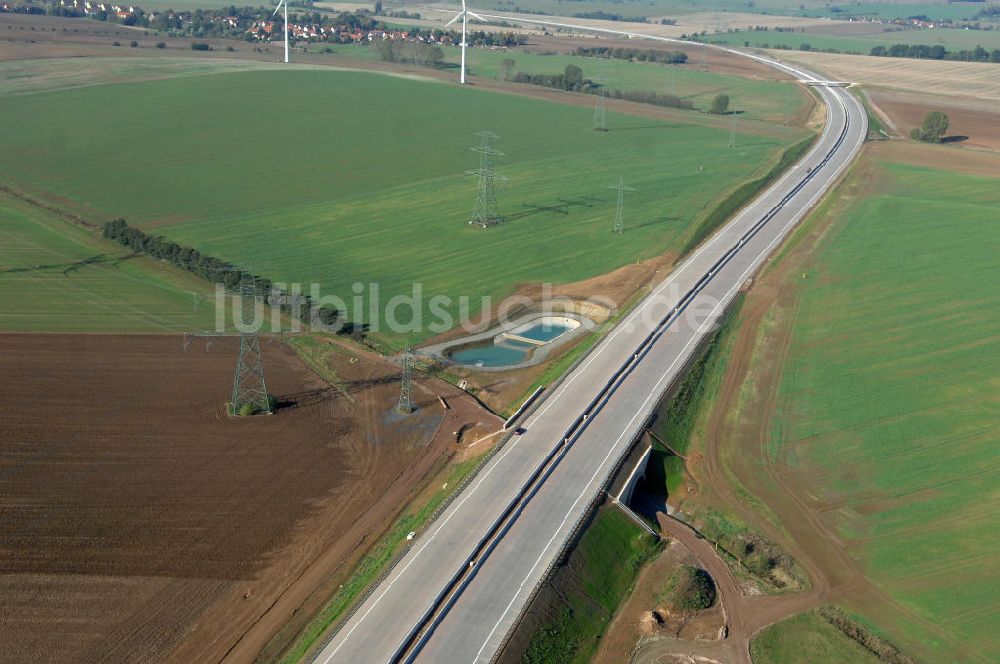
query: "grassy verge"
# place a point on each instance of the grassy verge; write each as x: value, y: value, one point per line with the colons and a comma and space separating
x: 743, y: 194
x: 375, y: 563
x: 677, y: 415
x: 876, y: 131
x: 748, y: 549
x: 603, y: 568
x: 311, y: 351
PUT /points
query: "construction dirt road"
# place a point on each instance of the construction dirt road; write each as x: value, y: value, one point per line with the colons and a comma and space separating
x: 141, y: 523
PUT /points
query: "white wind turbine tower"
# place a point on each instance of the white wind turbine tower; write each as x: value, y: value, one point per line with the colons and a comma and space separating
x: 464, y: 14
x: 284, y: 3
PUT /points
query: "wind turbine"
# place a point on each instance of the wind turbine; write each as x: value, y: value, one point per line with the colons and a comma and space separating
x: 464, y: 14
x: 284, y: 3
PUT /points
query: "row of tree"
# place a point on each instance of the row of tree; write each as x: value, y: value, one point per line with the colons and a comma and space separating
x: 634, y: 54
x: 572, y: 80
x: 418, y: 53
x: 936, y: 52
x: 217, y: 271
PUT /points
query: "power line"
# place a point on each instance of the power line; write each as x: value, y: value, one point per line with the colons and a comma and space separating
x: 406, y: 385
x: 485, y: 213
x: 619, y: 225
x: 600, y: 112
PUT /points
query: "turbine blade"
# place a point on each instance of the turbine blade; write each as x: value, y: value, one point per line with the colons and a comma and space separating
x: 453, y: 20
x: 477, y: 16
x: 281, y: 2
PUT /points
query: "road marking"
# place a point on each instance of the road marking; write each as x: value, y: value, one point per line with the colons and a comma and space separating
x: 604, y: 344
x: 655, y: 393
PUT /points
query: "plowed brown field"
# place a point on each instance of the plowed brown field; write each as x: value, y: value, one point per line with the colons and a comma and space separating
x: 138, y: 522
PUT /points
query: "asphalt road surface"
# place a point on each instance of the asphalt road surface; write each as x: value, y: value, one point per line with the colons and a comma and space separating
x: 617, y: 386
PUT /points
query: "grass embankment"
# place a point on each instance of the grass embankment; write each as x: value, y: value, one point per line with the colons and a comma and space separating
x: 888, y: 404
x: 61, y: 277
x: 383, y: 200
x: 600, y: 571
x: 743, y: 194
x: 676, y: 416
x: 375, y: 563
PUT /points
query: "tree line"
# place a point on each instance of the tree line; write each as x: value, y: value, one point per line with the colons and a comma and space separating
x: 218, y: 271
x: 572, y: 80
x: 936, y: 52
x: 634, y: 54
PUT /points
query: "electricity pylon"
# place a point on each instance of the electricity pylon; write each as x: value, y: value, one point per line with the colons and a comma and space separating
x: 249, y: 389
x: 619, y: 226
x: 485, y: 213
x: 600, y: 112
x: 406, y: 385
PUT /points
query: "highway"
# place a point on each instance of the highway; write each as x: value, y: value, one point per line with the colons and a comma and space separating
x: 515, y: 516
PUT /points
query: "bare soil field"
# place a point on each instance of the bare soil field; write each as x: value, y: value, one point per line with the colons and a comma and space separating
x: 972, y: 162
x: 141, y: 523
x: 960, y: 80
x: 974, y: 123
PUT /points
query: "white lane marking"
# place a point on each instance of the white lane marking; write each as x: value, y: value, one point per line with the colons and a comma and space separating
x: 597, y: 351
x: 666, y: 377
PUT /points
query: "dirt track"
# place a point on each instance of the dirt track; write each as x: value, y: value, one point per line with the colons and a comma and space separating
x: 745, y: 615
x: 141, y: 523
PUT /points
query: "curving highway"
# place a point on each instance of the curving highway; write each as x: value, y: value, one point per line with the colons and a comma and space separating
x: 459, y: 590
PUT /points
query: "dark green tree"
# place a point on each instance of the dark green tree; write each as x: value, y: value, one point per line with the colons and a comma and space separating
x: 720, y: 105
x: 507, y: 68
x: 933, y: 129
x: 573, y: 75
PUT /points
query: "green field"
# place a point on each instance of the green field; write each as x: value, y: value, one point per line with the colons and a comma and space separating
x: 752, y: 99
x: 809, y: 8
x: 952, y: 39
x: 58, y: 277
x: 340, y: 178
x: 807, y: 637
x: 889, y: 401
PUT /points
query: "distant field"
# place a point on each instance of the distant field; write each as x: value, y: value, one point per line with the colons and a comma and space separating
x: 951, y: 39
x: 810, y: 8
x: 57, y: 277
x: 345, y: 177
x: 752, y: 99
x: 888, y: 402
x: 807, y: 638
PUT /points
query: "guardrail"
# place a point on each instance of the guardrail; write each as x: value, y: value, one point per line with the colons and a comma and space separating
x: 418, y: 636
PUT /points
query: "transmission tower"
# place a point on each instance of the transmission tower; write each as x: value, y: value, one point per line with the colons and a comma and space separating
x: 600, y: 114
x: 406, y: 385
x: 248, y: 381
x: 485, y: 213
x: 619, y: 226
x: 249, y: 388
x: 732, y: 134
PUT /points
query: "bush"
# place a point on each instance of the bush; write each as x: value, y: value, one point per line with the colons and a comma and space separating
x: 161, y: 45
x: 133, y: 44
x: 246, y: 410
x: 116, y: 43
x: 720, y: 105
x: 200, y: 46
x: 933, y: 129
